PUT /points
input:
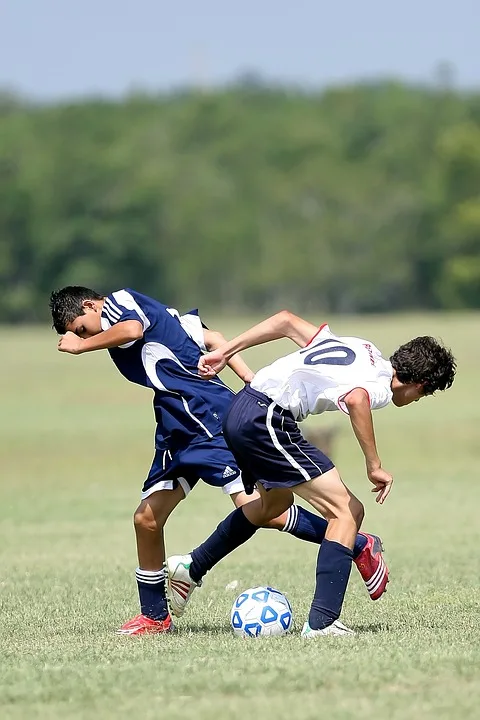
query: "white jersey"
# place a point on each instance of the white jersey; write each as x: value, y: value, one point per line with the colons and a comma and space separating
x: 317, y: 378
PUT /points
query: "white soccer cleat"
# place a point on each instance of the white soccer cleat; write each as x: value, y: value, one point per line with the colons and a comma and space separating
x: 180, y: 585
x: 336, y: 628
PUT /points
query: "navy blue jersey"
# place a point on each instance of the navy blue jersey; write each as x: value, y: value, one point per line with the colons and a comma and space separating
x: 166, y: 359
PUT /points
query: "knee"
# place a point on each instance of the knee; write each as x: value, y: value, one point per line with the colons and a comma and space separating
x: 275, y: 514
x: 279, y: 519
x: 145, y: 521
x: 265, y: 512
x: 349, y: 516
x: 278, y: 523
x: 358, y: 512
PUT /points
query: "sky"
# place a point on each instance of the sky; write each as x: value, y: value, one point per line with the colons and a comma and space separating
x: 53, y: 49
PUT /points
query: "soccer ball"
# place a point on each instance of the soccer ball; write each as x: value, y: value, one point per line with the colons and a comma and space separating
x: 261, y: 611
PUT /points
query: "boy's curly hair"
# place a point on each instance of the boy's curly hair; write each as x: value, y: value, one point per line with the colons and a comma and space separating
x: 66, y: 305
x: 425, y: 360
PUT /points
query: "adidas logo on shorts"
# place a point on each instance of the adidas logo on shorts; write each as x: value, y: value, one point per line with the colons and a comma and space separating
x: 228, y: 472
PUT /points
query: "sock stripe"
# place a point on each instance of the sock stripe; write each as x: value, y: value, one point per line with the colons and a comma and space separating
x: 150, y: 577
x: 292, y: 519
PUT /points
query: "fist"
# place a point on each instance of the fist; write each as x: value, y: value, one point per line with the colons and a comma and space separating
x: 70, y: 343
x: 210, y: 364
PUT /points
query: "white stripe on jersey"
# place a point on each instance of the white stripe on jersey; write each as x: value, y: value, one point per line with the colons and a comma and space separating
x: 123, y: 298
x: 113, y: 318
x: 107, y: 324
x: 152, y: 352
x: 278, y: 445
x: 192, y: 325
x: 114, y: 310
x: 110, y: 320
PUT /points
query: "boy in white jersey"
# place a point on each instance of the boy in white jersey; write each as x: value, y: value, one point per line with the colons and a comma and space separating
x: 329, y: 373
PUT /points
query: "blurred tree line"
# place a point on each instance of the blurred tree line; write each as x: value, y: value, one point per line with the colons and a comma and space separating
x: 361, y: 198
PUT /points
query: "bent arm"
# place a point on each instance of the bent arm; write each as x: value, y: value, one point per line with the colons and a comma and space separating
x: 214, y: 340
x: 119, y: 334
x: 358, y: 404
x: 282, y: 325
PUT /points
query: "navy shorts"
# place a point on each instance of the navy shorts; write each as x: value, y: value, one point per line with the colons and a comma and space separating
x: 207, y: 459
x: 268, y: 445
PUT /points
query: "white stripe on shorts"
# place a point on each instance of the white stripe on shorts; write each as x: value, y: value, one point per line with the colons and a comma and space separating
x: 300, y: 449
x: 166, y: 485
x: 279, y: 447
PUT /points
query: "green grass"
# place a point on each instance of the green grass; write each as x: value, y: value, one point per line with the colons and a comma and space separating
x: 76, y: 442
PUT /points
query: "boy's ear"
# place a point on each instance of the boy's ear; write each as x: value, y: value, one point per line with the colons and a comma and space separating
x: 90, y: 304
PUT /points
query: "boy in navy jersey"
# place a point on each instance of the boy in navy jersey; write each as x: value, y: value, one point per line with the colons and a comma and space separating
x: 329, y: 373
x: 153, y: 346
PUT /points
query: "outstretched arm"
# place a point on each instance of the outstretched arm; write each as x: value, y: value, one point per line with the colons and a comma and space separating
x: 282, y: 325
x: 119, y: 334
x: 214, y: 340
x: 358, y: 404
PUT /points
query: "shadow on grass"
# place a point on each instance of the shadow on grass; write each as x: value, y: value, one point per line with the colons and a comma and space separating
x: 210, y: 628
x: 372, y: 628
x: 204, y: 627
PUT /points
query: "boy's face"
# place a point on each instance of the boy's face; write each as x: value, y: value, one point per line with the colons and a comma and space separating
x: 89, y: 324
x: 404, y: 394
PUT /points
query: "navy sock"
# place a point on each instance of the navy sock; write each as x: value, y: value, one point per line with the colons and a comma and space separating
x: 334, y: 563
x: 230, y: 534
x: 305, y: 525
x: 151, y: 590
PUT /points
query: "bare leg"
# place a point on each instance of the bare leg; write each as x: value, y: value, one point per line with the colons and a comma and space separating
x: 149, y: 520
x: 278, y: 523
x: 344, y: 513
x: 267, y: 506
x: 330, y: 497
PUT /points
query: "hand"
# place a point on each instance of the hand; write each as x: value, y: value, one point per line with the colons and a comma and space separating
x: 210, y: 364
x: 383, y: 482
x: 70, y: 343
x: 248, y: 377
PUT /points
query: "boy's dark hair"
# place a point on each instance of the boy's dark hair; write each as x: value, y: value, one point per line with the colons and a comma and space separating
x: 425, y: 360
x: 66, y: 305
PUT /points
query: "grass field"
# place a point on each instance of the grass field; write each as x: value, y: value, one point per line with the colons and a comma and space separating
x: 75, y: 444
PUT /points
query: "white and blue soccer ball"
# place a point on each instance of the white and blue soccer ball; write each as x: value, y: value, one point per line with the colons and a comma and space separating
x: 261, y: 612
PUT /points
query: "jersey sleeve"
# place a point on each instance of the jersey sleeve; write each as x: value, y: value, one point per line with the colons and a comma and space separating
x: 120, y: 306
x: 379, y: 395
x: 193, y: 326
x: 323, y: 328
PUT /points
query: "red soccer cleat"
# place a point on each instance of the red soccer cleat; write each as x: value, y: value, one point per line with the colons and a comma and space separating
x: 143, y: 625
x: 372, y: 567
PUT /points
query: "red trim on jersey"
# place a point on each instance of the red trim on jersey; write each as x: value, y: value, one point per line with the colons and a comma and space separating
x: 318, y: 331
x: 342, y: 398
